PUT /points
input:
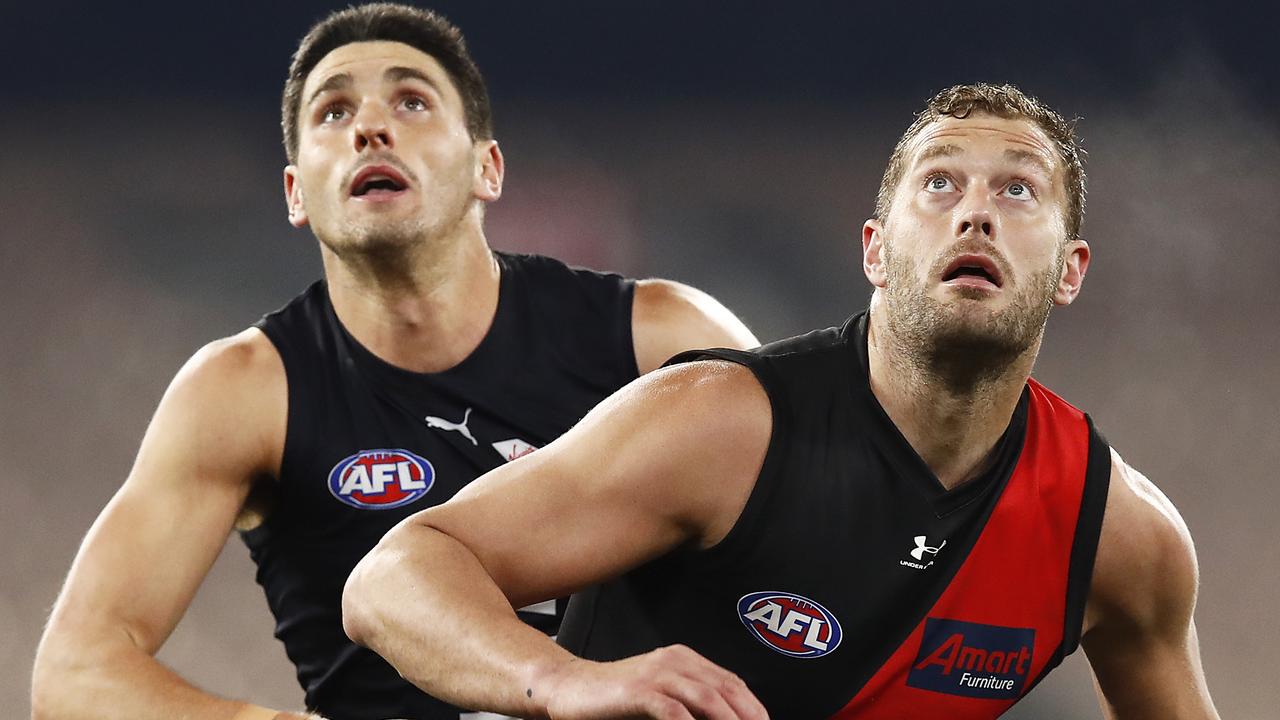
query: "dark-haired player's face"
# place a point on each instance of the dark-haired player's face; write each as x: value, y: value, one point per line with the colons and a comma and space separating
x: 384, y: 155
x: 973, y: 251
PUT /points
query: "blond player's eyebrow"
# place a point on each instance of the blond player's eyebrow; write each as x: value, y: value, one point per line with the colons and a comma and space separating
x: 938, y: 151
x: 1011, y: 154
x: 1027, y: 156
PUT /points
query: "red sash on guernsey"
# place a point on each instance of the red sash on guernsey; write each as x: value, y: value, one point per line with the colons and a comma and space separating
x: 1001, y: 620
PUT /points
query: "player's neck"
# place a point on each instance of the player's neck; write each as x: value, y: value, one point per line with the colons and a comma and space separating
x: 425, y: 311
x: 953, y: 426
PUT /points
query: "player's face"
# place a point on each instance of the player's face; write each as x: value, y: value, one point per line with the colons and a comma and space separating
x: 973, y: 250
x: 384, y: 156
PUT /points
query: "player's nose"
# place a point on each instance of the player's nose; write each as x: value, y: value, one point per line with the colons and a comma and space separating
x: 371, y: 127
x: 974, y: 216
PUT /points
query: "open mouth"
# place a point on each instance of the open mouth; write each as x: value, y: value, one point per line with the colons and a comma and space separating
x: 378, y: 181
x: 973, y: 270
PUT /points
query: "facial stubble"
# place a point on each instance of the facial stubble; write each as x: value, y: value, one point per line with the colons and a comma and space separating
x: 396, y: 241
x: 962, y: 341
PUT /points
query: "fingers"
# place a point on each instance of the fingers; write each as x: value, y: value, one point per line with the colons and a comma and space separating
x: 701, y: 697
x: 671, y: 683
x: 708, y: 689
x: 661, y: 707
x: 740, y: 698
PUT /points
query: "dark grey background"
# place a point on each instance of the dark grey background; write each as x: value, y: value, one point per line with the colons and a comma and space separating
x: 733, y: 145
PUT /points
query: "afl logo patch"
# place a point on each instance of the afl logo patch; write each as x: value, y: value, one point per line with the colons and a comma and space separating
x: 790, y: 624
x: 381, y: 479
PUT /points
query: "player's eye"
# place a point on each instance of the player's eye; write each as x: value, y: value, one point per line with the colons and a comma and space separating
x: 1019, y: 190
x: 414, y: 104
x: 938, y: 183
x: 333, y: 113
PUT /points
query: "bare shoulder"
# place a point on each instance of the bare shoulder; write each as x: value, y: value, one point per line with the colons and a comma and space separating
x: 711, y: 423
x: 247, y: 357
x: 700, y: 409
x: 1145, y: 575
x: 706, y: 396
x: 668, y: 317
x: 680, y: 447
x: 227, y: 406
x: 1139, y: 631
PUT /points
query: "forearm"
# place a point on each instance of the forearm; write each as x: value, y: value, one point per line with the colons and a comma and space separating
x: 121, y: 682
x: 425, y: 603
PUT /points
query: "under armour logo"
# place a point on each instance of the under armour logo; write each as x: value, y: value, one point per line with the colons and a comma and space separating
x: 461, y: 427
x: 921, y: 548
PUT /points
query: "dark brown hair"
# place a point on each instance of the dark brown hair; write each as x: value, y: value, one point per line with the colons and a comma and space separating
x: 421, y: 29
x: 1006, y: 101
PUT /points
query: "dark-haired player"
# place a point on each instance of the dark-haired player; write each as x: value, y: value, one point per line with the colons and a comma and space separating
x: 884, y: 520
x: 421, y: 361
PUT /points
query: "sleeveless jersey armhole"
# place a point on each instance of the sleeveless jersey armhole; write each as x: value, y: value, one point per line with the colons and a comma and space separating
x: 297, y: 407
x: 1084, y: 547
x: 628, y: 368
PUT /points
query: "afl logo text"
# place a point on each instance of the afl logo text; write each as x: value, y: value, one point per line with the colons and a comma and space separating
x: 790, y: 624
x: 381, y: 479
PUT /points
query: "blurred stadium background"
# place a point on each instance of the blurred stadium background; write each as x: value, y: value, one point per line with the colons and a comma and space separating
x: 733, y: 145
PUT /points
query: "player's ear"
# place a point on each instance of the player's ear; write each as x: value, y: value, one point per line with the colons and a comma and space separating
x: 490, y: 168
x: 873, y: 252
x: 1075, y: 264
x: 293, y: 197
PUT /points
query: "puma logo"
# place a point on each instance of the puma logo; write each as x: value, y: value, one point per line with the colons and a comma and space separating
x: 461, y: 427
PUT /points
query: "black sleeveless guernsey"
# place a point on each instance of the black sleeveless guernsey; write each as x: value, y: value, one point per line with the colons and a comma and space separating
x: 369, y: 444
x: 853, y: 585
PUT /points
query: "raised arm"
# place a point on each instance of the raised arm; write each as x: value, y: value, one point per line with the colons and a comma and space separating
x: 668, y: 318
x: 668, y: 460
x: 219, y: 426
x: 1139, y: 633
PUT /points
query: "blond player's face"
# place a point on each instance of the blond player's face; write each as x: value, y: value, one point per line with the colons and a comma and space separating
x: 389, y: 107
x: 975, y: 235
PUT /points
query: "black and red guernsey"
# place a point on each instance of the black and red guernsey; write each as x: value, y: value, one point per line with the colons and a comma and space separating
x: 369, y: 444
x: 854, y: 585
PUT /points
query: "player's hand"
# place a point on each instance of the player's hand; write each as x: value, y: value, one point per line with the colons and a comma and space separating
x: 670, y: 683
